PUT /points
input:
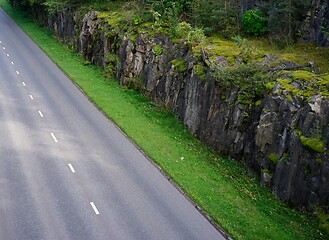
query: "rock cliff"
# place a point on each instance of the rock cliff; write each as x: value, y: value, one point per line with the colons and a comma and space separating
x: 284, y: 138
x: 315, y: 27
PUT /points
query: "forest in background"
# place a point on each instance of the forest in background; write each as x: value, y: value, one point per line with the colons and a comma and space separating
x: 279, y: 21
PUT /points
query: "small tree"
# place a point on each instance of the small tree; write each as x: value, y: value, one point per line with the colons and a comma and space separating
x: 284, y: 17
x: 220, y: 16
x: 253, y: 22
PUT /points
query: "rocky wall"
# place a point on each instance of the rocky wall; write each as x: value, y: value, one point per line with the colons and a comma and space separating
x: 315, y: 28
x: 277, y: 139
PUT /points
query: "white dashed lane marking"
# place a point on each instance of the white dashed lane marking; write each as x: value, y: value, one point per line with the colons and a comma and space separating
x: 94, y: 207
x: 53, y: 136
x: 71, y: 167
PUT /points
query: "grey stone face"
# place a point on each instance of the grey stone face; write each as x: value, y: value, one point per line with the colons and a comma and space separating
x: 265, y: 137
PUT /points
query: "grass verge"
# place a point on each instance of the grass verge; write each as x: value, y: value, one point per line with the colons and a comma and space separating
x: 221, y: 187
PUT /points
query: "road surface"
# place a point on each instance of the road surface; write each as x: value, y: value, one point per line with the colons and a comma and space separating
x: 66, y: 172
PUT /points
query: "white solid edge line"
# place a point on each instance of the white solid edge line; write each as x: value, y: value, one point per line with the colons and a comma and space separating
x: 71, y: 167
x: 17, y: 72
x: 24, y: 84
x: 53, y: 136
x: 40, y: 113
x: 94, y: 207
x: 31, y: 97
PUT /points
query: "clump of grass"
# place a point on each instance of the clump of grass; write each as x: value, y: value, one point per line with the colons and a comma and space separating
x: 220, y: 186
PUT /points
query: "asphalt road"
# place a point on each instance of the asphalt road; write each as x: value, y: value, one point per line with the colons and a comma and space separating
x: 66, y: 172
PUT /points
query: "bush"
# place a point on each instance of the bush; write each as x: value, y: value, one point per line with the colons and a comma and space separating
x: 253, y: 22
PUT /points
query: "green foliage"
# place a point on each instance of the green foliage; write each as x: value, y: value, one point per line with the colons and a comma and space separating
x: 246, y: 48
x: 284, y: 17
x: 180, y: 65
x: 269, y: 86
x: 250, y: 79
x: 182, y: 29
x: 253, y: 22
x: 196, y: 35
x: 160, y: 24
x: 315, y: 144
x: 167, y: 13
x: 55, y: 6
x: 158, y: 50
x: 191, y: 34
x: 169, y: 8
x: 137, y: 20
x: 219, y: 16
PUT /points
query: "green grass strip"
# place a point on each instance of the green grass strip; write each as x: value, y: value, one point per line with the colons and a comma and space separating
x: 221, y: 187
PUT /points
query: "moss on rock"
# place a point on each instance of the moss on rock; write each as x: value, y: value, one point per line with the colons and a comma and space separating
x: 315, y: 144
x: 304, y: 84
x: 200, y: 70
x: 273, y: 157
x: 179, y: 64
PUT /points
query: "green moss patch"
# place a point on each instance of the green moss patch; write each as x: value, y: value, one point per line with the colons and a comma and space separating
x: 273, y: 157
x: 304, y: 84
x: 303, y: 75
x: 315, y: 144
x: 180, y: 65
x: 112, y: 18
x: 201, y: 71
